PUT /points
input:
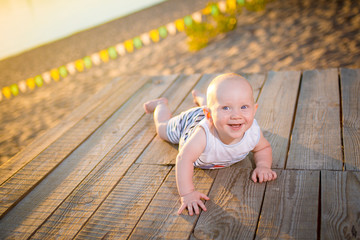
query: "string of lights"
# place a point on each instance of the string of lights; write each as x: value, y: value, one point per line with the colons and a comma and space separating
x: 118, y: 50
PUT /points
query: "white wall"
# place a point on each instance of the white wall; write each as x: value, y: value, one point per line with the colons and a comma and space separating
x: 25, y: 24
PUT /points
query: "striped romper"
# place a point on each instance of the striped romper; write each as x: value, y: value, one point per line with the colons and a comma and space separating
x: 180, y: 127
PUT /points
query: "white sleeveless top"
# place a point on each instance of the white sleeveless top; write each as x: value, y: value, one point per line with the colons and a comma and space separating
x: 219, y: 155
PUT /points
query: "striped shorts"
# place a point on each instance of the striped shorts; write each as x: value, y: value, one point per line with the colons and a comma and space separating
x: 180, y: 127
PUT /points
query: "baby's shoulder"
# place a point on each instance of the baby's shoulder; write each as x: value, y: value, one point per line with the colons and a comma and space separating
x: 253, y: 134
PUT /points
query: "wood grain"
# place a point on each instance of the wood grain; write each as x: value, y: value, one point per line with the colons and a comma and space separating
x: 340, y: 208
x: 290, y: 208
x: 277, y: 104
x: 83, y: 201
x: 316, y: 137
x: 234, y: 206
x: 31, y: 174
x: 14, y: 164
x: 46, y: 197
x: 160, y: 220
x: 121, y: 211
x: 350, y: 92
x: 70, y: 215
x: 118, y: 215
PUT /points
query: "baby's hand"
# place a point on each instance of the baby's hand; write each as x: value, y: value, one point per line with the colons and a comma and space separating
x: 192, y: 201
x: 264, y: 174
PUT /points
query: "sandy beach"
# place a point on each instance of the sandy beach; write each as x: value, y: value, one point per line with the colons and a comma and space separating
x: 287, y: 35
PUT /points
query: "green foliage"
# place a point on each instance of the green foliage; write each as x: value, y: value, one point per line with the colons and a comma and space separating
x: 199, y: 35
x: 255, y: 5
x: 215, y: 22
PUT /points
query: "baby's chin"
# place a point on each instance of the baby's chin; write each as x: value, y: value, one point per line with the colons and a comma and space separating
x: 235, y: 136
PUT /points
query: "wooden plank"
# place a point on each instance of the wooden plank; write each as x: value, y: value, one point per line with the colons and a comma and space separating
x: 70, y: 216
x: 316, y: 137
x: 15, y: 188
x: 277, y: 104
x: 45, y: 198
x: 77, y: 208
x: 290, y: 208
x: 117, y: 216
x: 160, y: 220
x: 41, y: 142
x: 350, y: 89
x: 166, y: 149
x: 256, y: 81
x: 340, y: 208
x: 234, y: 207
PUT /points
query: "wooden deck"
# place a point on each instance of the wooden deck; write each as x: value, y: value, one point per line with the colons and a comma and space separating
x: 103, y: 172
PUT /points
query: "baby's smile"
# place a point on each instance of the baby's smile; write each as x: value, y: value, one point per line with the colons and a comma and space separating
x: 236, y: 126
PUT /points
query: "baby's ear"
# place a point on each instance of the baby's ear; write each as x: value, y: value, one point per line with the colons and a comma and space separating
x: 207, y: 113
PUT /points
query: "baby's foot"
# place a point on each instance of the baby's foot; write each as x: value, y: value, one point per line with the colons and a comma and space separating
x: 199, y: 98
x: 150, y: 106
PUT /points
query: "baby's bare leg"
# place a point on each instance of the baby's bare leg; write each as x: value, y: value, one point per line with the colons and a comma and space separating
x: 162, y: 114
x: 199, y: 98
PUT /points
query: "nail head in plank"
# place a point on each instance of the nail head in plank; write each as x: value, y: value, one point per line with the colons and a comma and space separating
x: 316, y: 137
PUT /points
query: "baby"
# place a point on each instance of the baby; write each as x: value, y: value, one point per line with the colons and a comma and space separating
x: 217, y: 134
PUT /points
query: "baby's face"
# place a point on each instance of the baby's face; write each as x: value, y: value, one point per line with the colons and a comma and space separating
x: 232, y: 110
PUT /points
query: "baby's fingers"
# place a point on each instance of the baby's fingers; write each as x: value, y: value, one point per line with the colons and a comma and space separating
x: 274, y: 175
x: 196, y: 208
x: 254, y: 177
x: 202, y: 205
x: 181, y: 209
x: 261, y: 177
x: 190, y: 209
x: 203, y: 196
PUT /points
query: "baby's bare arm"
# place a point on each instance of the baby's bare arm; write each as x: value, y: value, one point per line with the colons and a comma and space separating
x: 193, y: 148
x: 263, y: 161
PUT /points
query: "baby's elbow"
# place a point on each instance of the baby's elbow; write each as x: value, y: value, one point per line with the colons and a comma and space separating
x: 179, y: 158
x: 184, y: 158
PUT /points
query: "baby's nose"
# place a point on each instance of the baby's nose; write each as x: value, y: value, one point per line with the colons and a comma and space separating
x: 236, y: 114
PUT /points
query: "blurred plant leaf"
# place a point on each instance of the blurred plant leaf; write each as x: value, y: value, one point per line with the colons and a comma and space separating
x: 215, y: 21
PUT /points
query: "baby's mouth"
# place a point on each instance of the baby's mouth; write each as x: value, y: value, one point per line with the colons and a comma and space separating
x: 235, y: 126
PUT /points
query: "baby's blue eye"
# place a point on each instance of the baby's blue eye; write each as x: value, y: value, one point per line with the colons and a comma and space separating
x: 226, y: 108
x: 244, y: 107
